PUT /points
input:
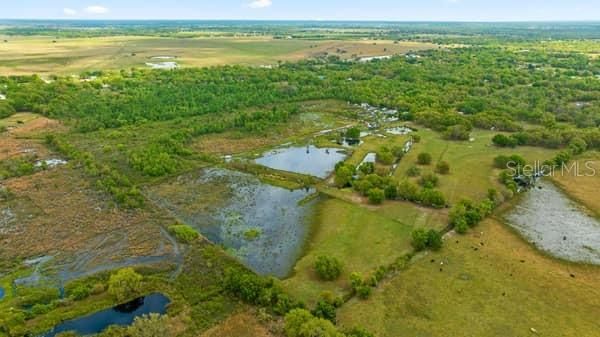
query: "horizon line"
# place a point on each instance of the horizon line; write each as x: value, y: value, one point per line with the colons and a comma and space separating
x: 313, y: 20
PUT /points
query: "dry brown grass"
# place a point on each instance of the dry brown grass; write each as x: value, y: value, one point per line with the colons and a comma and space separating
x: 58, y: 212
x: 244, y: 324
x: 23, y: 135
x: 584, y: 186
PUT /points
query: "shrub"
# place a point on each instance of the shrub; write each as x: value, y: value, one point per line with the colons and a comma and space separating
x: 419, y: 239
x: 422, y: 239
x: 457, y: 132
x: 408, y: 191
x: 325, y: 310
x: 413, y: 171
x: 300, y: 323
x: 505, y: 141
x: 442, y: 167
x: 153, y: 325
x: 124, y: 284
x: 183, y: 233
x: 391, y: 192
x: 429, y: 180
x: 344, y: 174
x: 364, y: 291
x: 353, y: 133
x: 424, y: 158
x: 328, y: 268
x: 385, y: 156
x: 432, y: 198
x: 80, y: 292
x: 376, y: 196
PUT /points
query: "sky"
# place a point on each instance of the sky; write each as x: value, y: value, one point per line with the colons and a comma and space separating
x: 392, y: 10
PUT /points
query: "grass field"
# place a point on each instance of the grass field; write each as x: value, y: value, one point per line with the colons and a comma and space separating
x: 360, y: 238
x: 46, y: 55
x: 584, y: 184
x: 471, y: 163
x: 491, y: 283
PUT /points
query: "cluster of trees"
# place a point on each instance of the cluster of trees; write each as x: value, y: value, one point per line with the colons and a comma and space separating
x: 426, y: 195
x: 467, y: 214
x: 125, y: 284
x: 301, y: 323
x: 422, y: 239
x: 108, y: 179
x: 328, y: 268
x: 374, y: 186
x: 258, y: 290
x: 491, y: 87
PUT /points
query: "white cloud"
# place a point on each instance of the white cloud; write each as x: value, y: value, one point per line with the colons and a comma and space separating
x: 260, y: 3
x: 96, y: 10
x: 69, y: 11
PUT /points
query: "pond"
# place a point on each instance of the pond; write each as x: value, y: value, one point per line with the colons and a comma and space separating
x: 557, y: 225
x: 121, y: 315
x: 264, y: 226
x: 310, y: 160
x: 1, y: 293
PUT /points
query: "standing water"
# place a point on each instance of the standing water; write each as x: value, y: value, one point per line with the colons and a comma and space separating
x: 121, y: 315
x: 264, y: 226
x: 311, y: 160
x: 555, y: 224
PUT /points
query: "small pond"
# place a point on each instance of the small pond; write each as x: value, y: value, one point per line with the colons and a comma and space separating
x: 557, y: 225
x: 264, y: 226
x: 310, y: 160
x: 122, y: 315
x: 1, y: 293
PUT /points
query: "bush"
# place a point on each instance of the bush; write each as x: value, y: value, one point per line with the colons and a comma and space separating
x: 344, y: 174
x: 364, y: 292
x: 424, y: 158
x: 376, y: 196
x: 432, y: 198
x: 419, y: 239
x: 328, y: 268
x: 457, y: 132
x: 422, y: 239
x: 353, y: 133
x: 300, y: 323
x: 442, y: 167
x: 124, y: 284
x: 183, y: 233
x: 408, y: 191
x: 325, y: 310
x: 153, y: 325
x: 505, y: 141
x: 80, y: 292
x: 413, y: 171
x: 429, y: 180
x: 391, y: 192
x: 385, y: 156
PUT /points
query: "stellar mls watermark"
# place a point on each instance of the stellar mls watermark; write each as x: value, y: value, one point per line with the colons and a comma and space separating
x: 588, y: 168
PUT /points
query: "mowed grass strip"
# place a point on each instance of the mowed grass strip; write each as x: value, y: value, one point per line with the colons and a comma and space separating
x: 488, y: 283
x: 361, y: 239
